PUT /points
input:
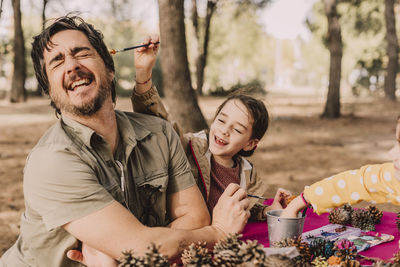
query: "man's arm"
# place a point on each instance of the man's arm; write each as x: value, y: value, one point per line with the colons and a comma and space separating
x: 187, y: 209
x: 114, y: 229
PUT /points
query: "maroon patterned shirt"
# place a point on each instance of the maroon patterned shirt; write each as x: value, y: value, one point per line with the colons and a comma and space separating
x: 221, y: 177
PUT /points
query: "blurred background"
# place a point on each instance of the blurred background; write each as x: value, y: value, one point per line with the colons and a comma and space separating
x: 326, y: 69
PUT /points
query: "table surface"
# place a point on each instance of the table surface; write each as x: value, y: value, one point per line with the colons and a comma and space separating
x: 259, y: 231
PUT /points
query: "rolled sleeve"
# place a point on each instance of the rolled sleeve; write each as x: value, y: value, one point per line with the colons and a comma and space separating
x: 61, y: 188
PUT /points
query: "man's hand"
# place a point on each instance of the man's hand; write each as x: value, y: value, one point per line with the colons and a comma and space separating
x: 231, y: 213
x: 145, y: 58
x: 91, y: 257
x: 293, y: 208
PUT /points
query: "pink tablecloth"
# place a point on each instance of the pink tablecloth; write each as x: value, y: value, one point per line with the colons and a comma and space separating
x: 259, y: 231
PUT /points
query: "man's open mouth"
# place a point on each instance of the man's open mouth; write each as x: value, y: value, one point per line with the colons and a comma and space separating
x: 81, y: 82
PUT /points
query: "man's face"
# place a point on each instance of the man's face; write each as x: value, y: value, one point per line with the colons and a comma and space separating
x: 79, y: 82
x: 395, y: 151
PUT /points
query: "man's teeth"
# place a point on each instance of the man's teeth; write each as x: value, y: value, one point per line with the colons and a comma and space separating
x: 79, y: 83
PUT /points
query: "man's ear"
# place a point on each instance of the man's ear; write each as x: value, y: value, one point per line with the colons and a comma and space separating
x: 251, y: 144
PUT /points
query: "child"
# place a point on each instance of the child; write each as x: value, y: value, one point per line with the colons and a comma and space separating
x: 217, y: 157
x: 375, y: 183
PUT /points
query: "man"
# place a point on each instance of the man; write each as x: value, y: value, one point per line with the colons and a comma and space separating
x: 109, y: 179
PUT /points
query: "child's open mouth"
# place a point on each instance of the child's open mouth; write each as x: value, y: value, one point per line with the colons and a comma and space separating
x: 219, y: 141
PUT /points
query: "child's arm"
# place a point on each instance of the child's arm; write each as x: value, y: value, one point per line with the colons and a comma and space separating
x: 374, y: 183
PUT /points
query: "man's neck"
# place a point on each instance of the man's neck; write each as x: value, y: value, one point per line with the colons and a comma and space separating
x: 103, y: 122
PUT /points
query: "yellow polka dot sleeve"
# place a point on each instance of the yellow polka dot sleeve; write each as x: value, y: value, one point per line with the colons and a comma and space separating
x: 373, y: 183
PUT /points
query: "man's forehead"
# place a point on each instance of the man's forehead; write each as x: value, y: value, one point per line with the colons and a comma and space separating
x: 66, y: 40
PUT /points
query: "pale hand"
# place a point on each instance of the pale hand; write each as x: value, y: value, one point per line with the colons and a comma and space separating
x: 231, y: 212
x: 293, y: 208
x: 280, y: 199
x: 91, y: 257
x: 145, y: 57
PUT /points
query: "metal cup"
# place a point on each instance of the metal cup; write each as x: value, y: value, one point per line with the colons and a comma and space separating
x: 279, y: 228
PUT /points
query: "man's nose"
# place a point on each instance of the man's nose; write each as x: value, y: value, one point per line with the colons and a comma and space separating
x: 71, y: 64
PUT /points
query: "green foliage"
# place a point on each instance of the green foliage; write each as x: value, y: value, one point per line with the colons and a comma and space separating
x: 239, y: 50
x: 363, y: 34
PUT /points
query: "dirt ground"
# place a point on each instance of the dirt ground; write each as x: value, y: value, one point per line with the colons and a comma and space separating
x: 298, y: 149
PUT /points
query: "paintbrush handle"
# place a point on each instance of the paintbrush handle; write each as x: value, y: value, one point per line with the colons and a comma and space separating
x: 249, y: 195
x: 113, y: 51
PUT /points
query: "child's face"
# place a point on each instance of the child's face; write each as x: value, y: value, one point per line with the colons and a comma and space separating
x: 231, y: 130
x: 395, y: 151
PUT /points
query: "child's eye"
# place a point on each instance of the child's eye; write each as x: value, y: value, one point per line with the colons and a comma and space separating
x: 222, y: 121
x: 238, y: 131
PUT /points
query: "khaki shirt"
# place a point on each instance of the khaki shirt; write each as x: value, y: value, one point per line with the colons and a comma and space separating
x: 72, y: 173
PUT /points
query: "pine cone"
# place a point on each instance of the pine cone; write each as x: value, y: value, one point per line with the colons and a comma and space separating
x: 252, y: 251
x: 231, y: 242
x: 154, y: 258
x: 285, y: 242
x: 345, y: 250
x: 321, y: 247
x: 375, y: 213
x: 341, y: 215
x: 289, y: 199
x: 196, y: 255
x: 383, y: 264
x: 333, y: 260
x: 305, y: 256
x: 320, y: 262
x: 396, y: 257
x: 350, y: 263
x: 361, y: 219
x: 278, y: 261
x: 129, y: 260
x: 226, y: 258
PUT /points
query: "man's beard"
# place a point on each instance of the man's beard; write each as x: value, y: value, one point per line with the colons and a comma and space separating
x: 86, y: 109
x: 92, y: 107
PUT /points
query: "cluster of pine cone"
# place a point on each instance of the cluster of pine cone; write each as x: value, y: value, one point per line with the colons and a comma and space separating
x: 364, y: 219
x: 228, y: 252
x: 322, y: 252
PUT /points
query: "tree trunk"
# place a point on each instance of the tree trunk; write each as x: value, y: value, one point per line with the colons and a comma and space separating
x: 332, y: 107
x: 18, y: 92
x: 175, y: 68
x: 201, y: 60
x: 39, y: 91
x: 392, y: 51
x: 1, y: 7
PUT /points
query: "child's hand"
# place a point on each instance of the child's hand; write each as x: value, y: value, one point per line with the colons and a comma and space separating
x: 279, y: 201
x: 280, y: 198
x: 293, y: 208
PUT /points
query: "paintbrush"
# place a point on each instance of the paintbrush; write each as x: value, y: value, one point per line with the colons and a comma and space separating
x: 249, y: 195
x: 113, y: 51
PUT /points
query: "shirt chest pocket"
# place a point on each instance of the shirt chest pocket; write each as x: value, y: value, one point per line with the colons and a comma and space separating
x: 152, y: 198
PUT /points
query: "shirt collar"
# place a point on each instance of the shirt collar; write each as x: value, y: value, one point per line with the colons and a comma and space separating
x: 130, y: 131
